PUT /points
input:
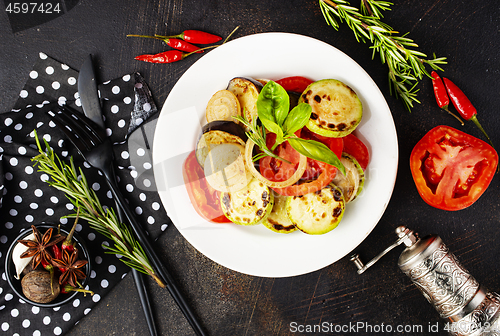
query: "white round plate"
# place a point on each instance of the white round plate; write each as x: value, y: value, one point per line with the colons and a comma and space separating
x: 256, y: 250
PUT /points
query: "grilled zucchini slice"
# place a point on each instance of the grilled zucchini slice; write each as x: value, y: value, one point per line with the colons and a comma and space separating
x: 336, y: 108
x: 278, y: 220
x: 352, y: 183
x: 318, y: 212
x: 248, y: 206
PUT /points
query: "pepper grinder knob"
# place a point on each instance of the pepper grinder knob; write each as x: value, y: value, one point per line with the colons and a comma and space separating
x: 405, y: 236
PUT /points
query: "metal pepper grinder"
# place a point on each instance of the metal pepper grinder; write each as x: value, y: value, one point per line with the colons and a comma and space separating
x: 468, y: 308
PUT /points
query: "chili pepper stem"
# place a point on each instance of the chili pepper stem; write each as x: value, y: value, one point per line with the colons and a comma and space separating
x: 69, y: 239
x: 50, y: 268
x: 475, y: 121
x: 158, y: 37
x: 213, y: 46
x: 453, y: 114
x: 68, y: 288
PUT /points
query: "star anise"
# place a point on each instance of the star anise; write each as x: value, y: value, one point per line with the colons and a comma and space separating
x: 70, y: 267
x: 39, y: 248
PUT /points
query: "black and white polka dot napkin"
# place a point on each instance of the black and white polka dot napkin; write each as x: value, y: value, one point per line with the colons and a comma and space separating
x: 26, y: 197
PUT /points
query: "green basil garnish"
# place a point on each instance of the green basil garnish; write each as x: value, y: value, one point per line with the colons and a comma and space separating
x: 317, y: 151
x: 273, y: 106
x: 297, y: 118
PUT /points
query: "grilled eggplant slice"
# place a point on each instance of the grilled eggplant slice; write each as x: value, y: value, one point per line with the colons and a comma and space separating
x: 336, y: 109
x: 216, y: 133
x: 248, y: 206
x: 247, y: 91
x: 318, y: 212
x: 278, y: 220
x: 226, y: 126
x: 352, y: 183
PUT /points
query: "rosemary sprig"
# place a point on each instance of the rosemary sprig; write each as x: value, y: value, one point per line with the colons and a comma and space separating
x: 406, y: 65
x: 257, y: 134
x: 66, y: 178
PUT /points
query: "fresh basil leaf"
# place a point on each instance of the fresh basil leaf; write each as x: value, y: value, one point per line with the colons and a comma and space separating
x: 272, y: 127
x: 297, y: 118
x: 317, y: 151
x: 273, y: 103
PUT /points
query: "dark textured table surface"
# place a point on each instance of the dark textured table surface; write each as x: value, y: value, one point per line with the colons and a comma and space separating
x: 230, y: 303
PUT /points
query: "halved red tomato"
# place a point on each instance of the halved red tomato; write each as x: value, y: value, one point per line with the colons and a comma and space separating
x: 452, y: 169
x: 203, y: 197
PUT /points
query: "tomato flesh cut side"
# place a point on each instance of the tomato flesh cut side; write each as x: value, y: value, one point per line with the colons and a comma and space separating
x: 452, y: 169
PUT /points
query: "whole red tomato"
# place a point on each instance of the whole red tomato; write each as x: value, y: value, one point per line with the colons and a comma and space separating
x: 452, y: 169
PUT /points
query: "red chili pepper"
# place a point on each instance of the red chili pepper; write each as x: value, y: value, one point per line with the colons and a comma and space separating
x: 182, y: 45
x: 441, y: 95
x: 175, y: 43
x: 197, y: 37
x: 164, y: 57
x: 463, y: 105
x: 57, y: 252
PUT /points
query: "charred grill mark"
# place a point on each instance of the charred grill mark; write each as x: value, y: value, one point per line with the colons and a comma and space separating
x: 280, y: 227
x: 351, y: 90
x: 341, y: 126
x: 314, y: 116
x: 337, y: 211
x: 317, y: 99
x: 259, y: 212
x: 337, y: 195
x: 330, y: 125
x: 265, y: 199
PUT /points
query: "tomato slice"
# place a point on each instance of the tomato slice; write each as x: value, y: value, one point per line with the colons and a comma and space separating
x: 277, y: 170
x: 295, y: 83
x: 203, y: 197
x: 317, y: 174
x: 452, y: 169
x: 355, y: 147
x: 326, y: 175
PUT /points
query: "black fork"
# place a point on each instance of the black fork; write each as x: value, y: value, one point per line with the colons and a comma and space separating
x: 93, y: 144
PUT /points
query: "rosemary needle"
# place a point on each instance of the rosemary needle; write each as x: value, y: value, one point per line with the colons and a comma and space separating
x: 66, y: 178
x: 406, y: 64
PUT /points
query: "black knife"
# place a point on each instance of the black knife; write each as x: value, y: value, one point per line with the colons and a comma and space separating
x: 88, y: 92
x: 89, y: 98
